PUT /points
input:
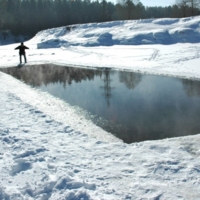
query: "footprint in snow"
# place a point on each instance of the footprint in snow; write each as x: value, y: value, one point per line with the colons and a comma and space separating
x: 67, y: 129
x: 30, y: 153
x: 19, y: 167
x: 68, y: 183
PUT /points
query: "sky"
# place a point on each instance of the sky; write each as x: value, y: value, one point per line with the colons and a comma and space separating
x: 158, y: 2
x: 49, y: 150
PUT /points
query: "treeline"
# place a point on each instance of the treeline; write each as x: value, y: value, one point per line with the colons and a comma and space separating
x: 30, y: 16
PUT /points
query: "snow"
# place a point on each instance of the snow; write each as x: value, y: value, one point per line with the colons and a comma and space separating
x: 49, y: 151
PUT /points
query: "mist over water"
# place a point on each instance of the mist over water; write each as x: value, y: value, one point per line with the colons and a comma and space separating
x: 134, y: 107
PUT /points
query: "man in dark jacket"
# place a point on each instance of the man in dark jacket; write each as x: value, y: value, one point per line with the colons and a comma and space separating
x: 22, y: 48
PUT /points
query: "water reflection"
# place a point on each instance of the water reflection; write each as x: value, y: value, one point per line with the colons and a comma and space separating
x: 131, y: 80
x: 192, y: 88
x: 134, y: 107
x: 37, y: 75
x: 107, y: 89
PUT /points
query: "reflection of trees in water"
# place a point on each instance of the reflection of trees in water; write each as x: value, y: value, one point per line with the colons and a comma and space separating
x: 107, y: 86
x: 130, y: 79
x: 36, y: 75
x: 191, y: 87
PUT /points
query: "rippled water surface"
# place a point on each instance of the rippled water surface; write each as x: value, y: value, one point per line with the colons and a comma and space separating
x: 134, y: 107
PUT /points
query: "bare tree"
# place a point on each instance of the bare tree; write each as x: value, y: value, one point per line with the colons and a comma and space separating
x: 188, y: 5
x: 182, y: 4
x: 193, y: 4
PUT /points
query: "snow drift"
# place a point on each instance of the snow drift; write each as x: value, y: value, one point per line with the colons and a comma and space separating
x: 134, y: 32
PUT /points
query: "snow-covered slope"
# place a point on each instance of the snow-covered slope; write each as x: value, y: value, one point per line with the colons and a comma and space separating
x: 147, y: 31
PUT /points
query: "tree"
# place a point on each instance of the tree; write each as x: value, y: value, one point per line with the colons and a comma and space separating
x: 106, y: 11
x: 139, y: 11
x: 193, y: 4
x: 129, y: 7
x: 2, y: 13
x: 125, y: 9
x: 182, y: 4
x: 188, y: 7
x: 134, y: 9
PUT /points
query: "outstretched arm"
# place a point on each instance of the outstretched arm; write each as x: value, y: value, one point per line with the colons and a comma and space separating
x: 17, y: 47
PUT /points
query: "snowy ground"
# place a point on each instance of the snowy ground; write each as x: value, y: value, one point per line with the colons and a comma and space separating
x: 49, y: 151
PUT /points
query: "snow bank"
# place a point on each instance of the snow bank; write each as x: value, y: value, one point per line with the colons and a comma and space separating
x: 133, y: 32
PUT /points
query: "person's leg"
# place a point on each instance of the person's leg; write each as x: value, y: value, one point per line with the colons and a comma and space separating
x: 25, y: 58
x: 20, y: 58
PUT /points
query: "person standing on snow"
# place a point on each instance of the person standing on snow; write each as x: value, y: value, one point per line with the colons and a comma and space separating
x: 22, y: 52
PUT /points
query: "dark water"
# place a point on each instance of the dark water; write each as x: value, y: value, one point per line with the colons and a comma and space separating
x: 132, y: 106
